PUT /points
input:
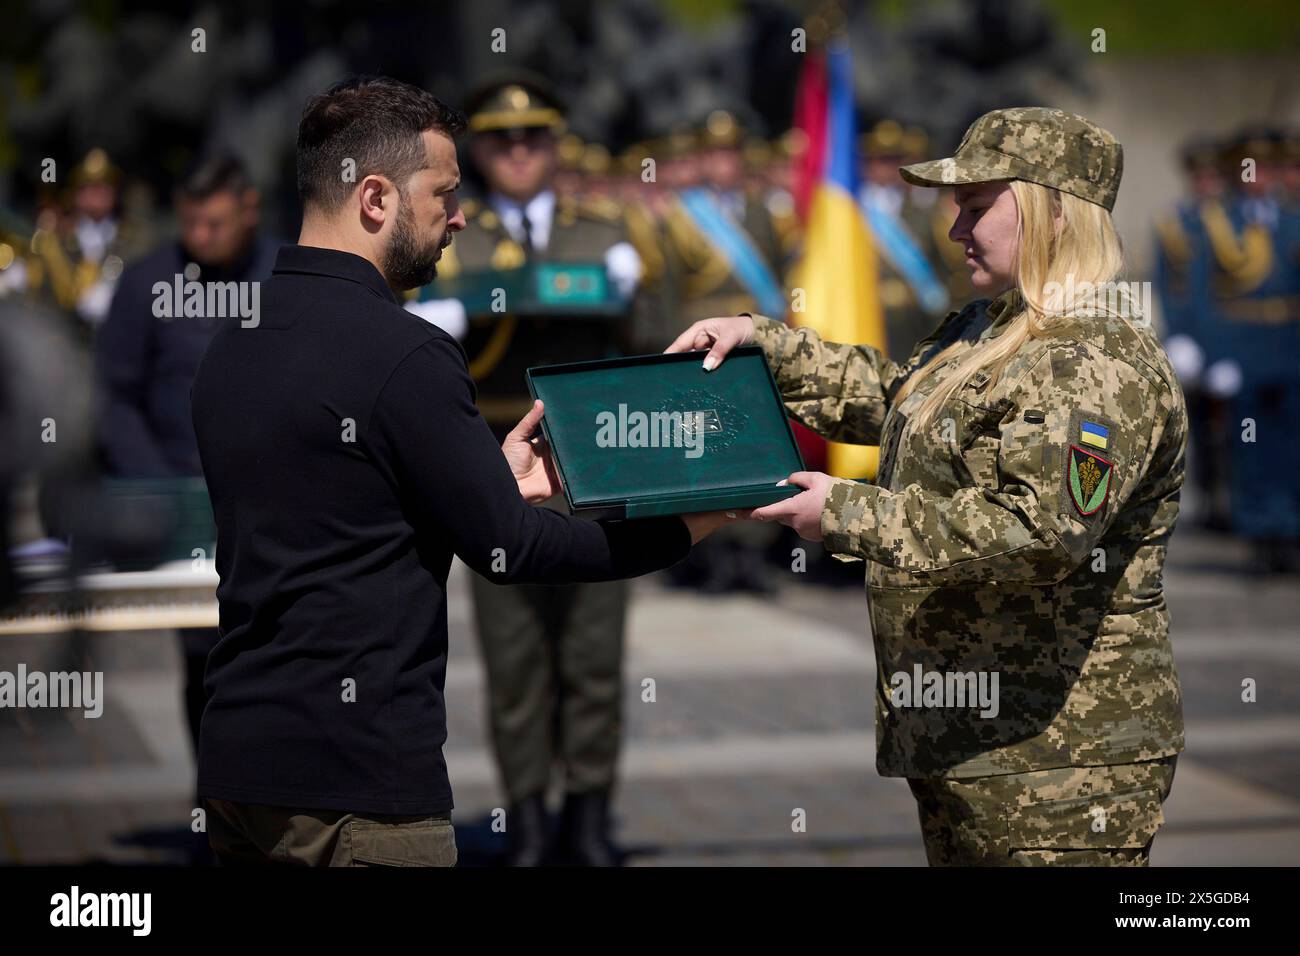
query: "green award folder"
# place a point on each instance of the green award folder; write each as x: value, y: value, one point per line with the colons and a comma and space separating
x: 536, y: 314
x: 657, y: 435
x: 546, y: 289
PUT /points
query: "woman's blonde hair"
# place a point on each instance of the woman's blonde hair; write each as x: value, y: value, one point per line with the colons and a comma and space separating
x: 1080, y: 253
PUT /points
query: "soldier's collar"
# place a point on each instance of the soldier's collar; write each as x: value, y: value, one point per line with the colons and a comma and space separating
x: 1003, y: 309
x: 541, y: 204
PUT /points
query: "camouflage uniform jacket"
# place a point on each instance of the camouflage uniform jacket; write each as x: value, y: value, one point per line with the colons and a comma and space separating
x: 1002, y: 539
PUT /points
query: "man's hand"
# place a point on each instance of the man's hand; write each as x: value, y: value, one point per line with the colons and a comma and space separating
x: 803, y: 512
x: 704, y: 523
x: 719, y: 336
x: 530, y: 460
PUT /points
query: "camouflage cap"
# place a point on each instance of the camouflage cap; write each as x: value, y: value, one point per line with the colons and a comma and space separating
x: 1040, y: 145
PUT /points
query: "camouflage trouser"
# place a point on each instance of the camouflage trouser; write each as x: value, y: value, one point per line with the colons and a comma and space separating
x: 1071, y: 816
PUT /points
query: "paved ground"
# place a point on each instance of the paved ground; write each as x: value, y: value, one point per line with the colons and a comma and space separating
x: 763, y: 707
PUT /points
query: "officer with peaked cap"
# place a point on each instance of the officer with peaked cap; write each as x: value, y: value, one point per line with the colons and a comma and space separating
x: 77, y: 263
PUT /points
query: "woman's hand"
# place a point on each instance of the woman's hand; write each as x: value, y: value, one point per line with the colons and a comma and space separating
x: 803, y: 512
x: 723, y: 334
x: 530, y: 460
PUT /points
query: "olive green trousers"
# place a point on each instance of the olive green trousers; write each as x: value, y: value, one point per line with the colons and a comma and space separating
x: 251, y: 834
x: 554, y: 661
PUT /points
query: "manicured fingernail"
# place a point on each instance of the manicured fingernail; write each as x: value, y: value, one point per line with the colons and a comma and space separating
x: 710, y: 363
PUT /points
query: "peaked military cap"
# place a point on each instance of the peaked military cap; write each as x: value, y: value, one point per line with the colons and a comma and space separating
x: 515, y: 101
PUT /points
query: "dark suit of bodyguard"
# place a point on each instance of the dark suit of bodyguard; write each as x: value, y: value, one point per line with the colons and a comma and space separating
x: 553, y: 654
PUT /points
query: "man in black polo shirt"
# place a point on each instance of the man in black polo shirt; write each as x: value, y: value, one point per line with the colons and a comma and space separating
x: 347, y: 464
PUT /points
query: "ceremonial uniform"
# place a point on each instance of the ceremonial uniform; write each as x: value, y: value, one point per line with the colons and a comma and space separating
x: 1182, y: 271
x: 1182, y: 283
x: 1253, y: 325
x: 1020, y: 534
x: 653, y: 309
x: 912, y: 294
x: 724, y: 251
x: 13, y: 244
x: 708, y: 282
x: 77, y: 266
x: 724, y: 255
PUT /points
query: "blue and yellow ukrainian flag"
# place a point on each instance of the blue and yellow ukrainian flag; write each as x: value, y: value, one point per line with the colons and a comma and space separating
x: 1098, y: 436
x: 838, y: 272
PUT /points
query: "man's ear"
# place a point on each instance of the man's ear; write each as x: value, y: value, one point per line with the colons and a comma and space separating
x: 375, y: 202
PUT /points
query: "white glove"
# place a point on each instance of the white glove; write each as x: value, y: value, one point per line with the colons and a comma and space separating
x: 1223, y: 379
x: 623, y: 266
x: 14, y: 278
x: 446, y: 314
x: 1186, y: 357
x: 94, y: 302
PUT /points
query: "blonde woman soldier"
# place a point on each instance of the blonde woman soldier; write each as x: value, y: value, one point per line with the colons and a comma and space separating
x: 1031, y: 459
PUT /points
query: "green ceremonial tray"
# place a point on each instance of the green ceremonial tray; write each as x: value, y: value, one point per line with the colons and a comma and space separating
x: 623, y: 433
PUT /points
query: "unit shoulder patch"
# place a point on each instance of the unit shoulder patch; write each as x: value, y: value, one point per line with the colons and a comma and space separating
x: 1088, y: 479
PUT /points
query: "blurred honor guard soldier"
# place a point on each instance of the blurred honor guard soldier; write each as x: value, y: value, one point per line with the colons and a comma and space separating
x: 553, y: 654
x: 14, y: 247
x: 147, y: 352
x: 911, y: 292
x: 725, y: 253
x: 77, y: 262
x: 1031, y: 460
x: 1182, y: 283
x: 652, y: 311
x: 772, y: 179
x: 1251, y: 343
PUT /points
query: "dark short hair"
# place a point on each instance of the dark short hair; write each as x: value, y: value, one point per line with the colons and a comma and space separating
x: 214, y: 173
x: 374, y: 121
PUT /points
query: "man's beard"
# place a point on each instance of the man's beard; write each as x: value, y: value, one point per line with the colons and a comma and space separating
x: 407, y: 263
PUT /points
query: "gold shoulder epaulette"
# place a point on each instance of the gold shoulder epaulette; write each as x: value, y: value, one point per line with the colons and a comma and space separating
x: 601, y: 208
x: 1174, y: 238
x: 1246, y: 260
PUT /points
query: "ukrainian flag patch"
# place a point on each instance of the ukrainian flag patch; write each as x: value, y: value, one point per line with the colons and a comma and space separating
x: 1098, y: 436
